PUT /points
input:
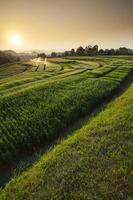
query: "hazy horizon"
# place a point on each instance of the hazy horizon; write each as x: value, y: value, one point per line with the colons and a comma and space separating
x: 47, y: 25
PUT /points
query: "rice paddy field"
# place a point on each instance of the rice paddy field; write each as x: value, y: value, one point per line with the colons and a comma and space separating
x: 40, y: 101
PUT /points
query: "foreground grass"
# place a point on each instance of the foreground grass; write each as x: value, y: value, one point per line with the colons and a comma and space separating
x: 95, y: 163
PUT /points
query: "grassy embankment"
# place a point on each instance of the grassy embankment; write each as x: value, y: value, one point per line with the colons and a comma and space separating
x: 94, y: 163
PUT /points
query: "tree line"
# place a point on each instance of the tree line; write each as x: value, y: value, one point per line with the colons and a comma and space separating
x: 93, y: 51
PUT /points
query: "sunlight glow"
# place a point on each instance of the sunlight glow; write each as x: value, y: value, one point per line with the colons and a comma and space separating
x: 15, y: 39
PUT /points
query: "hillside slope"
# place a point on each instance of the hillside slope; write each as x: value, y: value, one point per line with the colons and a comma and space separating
x: 95, y: 163
x: 35, y: 113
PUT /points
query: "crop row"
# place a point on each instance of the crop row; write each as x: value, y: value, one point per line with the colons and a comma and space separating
x: 28, y: 79
x: 38, y: 115
x: 94, y: 163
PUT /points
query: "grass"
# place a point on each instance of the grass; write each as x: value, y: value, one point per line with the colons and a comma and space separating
x: 35, y: 110
x: 94, y: 163
x: 11, y: 69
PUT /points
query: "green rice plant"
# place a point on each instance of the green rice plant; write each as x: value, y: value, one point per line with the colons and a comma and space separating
x: 37, y: 107
x: 95, y: 162
x: 38, y: 113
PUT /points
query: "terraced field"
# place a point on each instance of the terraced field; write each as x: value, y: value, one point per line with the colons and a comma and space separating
x: 40, y: 100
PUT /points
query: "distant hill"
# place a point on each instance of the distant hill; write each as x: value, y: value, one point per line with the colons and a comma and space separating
x: 8, y: 56
x: 11, y: 52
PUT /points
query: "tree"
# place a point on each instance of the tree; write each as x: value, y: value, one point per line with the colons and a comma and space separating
x: 72, y: 52
x: 122, y: 51
x: 106, y: 52
x: 80, y: 51
x: 41, y: 55
x: 111, y: 52
x: 66, y: 53
x: 88, y: 50
x: 53, y: 54
x: 95, y: 50
x: 101, y: 52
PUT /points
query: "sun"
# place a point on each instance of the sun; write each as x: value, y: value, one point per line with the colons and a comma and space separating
x: 15, y: 39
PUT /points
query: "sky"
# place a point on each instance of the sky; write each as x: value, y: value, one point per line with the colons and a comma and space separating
x: 63, y: 24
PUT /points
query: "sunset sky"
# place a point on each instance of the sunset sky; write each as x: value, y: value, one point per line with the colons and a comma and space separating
x: 63, y: 24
